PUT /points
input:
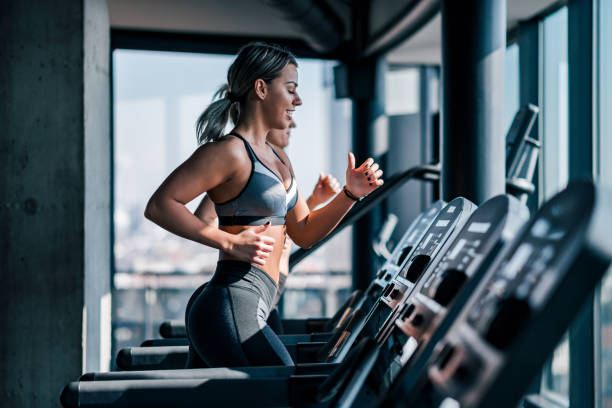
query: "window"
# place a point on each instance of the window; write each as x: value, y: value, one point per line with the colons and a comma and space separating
x: 605, y: 93
x: 402, y: 91
x: 555, y: 104
x: 555, y: 164
x: 555, y: 378
x: 511, y: 105
x: 157, y: 99
x: 604, y: 147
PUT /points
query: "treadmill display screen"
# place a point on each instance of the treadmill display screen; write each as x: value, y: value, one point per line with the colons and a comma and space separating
x: 434, y: 239
x: 475, y: 240
x: 522, y: 282
x: 479, y: 227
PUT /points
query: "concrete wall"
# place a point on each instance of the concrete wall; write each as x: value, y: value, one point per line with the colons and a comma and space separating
x: 54, y: 195
x: 97, y: 137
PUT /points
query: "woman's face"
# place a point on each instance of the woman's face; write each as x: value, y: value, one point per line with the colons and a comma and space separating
x: 281, y: 99
x: 280, y: 137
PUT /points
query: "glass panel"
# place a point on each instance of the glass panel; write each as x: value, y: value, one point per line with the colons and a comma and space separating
x: 511, y: 104
x: 402, y: 91
x: 157, y: 98
x: 555, y: 380
x: 605, y: 92
x: 554, y: 163
x: 604, y: 95
x: 555, y: 107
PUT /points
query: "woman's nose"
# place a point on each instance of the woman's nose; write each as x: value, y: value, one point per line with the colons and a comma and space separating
x: 297, y: 101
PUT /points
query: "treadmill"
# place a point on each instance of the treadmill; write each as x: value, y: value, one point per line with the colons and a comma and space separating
x: 220, y: 385
x: 424, y: 315
x: 519, y: 312
x: 303, y: 348
x: 367, y: 313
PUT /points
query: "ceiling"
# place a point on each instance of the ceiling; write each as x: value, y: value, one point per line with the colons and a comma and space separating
x: 256, y: 18
x: 232, y: 17
x: 424, y: 46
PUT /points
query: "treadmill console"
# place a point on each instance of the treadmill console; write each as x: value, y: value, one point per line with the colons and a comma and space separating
x: 409, y: 240
x: 438, y: 236
x: 480, y: 241
x: 448, y: 220
x: 519, y: 312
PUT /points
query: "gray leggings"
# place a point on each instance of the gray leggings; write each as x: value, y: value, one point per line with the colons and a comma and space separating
x: 274, y: 319
x: 226, y: 322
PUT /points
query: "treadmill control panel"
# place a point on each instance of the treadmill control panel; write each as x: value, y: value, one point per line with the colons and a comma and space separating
x: 525, y: 278
x: 481, y: 238
x: 529, y: 297
x: 394, y: 293
x: 415, y: 232
x: 475, y: 241
x: 480, y: 241
x: 435, y: 237
x: 442, y: 230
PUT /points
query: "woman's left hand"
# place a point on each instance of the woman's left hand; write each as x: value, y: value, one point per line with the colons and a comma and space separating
x: 364, y: 179
x: 327, y: 187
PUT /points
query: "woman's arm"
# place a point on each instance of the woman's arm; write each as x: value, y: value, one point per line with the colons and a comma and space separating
x: 206, y: 212
x: 210, y: 166
x: 306, y: 228
x: 327, y: 186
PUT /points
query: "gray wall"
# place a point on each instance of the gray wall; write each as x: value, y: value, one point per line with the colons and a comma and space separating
x: 54, y: 196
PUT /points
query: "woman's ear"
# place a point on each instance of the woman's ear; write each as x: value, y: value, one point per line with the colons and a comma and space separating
x: 261, y: 89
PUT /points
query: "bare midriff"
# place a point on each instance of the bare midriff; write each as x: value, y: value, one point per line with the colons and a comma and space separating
x: 277, y: 232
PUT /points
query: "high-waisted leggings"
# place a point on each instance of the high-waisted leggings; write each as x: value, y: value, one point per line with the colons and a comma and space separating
x: 274, y: 319
x: 226, y: 322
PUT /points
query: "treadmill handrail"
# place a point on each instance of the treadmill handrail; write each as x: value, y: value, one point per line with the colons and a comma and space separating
x: 426, y: 172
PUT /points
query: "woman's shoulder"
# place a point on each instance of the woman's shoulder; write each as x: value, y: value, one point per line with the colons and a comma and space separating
x: 227, y: 147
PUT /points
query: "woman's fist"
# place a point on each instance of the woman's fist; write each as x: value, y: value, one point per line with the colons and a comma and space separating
x: 327, y: 186
x: 252, y: 246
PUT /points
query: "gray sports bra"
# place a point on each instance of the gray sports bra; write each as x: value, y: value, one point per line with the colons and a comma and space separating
x: 263, y: 199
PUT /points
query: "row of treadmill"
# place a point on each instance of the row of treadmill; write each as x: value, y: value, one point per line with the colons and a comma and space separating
x: 465, y: 312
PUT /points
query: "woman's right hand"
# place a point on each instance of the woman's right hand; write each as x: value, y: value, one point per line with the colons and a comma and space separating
x: 364, y: 179
x: 252, y: 246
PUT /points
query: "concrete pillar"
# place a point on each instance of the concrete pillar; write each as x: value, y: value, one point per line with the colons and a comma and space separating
x: 55, y: 186
x: 473, y: 142
x: 369, y: 125
x: 429, y: 144
x: 580, y: 52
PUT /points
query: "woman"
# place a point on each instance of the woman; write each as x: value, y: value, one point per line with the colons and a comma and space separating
x: 257, y: 201
x: 327, y: 187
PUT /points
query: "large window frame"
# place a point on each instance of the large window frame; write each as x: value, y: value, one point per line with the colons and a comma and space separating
x: 584, y: 374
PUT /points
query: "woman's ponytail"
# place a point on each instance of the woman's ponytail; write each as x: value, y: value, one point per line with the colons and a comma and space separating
x: 211, y: 123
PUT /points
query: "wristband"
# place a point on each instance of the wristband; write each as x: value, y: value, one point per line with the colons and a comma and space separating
x: 351, y: 195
